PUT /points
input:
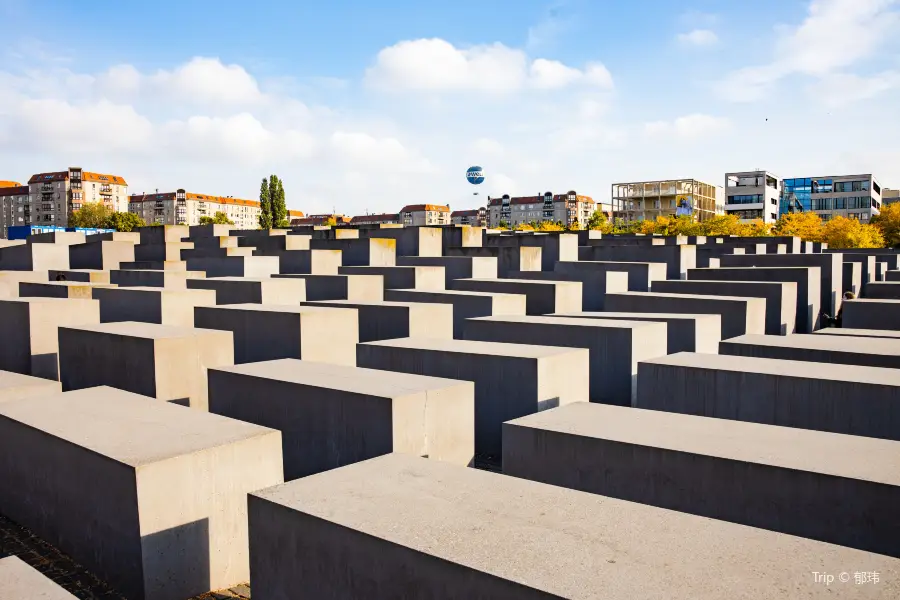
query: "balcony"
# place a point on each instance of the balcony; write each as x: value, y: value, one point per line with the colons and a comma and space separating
x: 47, y: 187
x: 105, y: 190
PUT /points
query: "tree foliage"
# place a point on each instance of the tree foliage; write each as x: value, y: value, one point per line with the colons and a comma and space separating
x: 841, y: 232
x: 124, y: 222
x: 272, y: 205
x: 91, y: 214
x: 330, y: 221
x: 805, y: 225
x: 503, y: 225
x: 889, y: 223
x: 265, y: 206
x: 598, y: 221
x: 219, y: 219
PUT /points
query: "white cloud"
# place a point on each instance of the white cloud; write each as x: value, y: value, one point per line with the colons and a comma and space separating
x: 436, y: 65
x: 690, y: 127
x: 487, y: 147
x: 207, y: 80
x: 698, y: 37
x: 834, y: 35
x: 839, y: 90
x: 387, y: 152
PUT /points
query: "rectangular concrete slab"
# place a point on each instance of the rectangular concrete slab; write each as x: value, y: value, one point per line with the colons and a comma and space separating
x: 852, y: 277
x: 235, y: 266
x: 739, y: 315
x: 167, y: 518
x: 817, y: 348
x: 509, y: 258
x: 14, y: 386
x: 176, y: 280
x: 241, y: 290
x: 60, y: 289
x: 805, y: 483
x: 164, y: 306
x: 511, y: 380
x: 839, y: 398
x: 19, y: 580
x: 678, y: 259
x: 365, y: 252
x: 362, y: 288
x: 104, y: 255
x: 411, y: 241
x: 872, y: 313
x: 34, y: 257
x: 881, y: 290
x: 163, y: 234
x: 541, y: 297
x: 271, y: 331
x: 167, y: 251
x: 403, y: 278
x: 335, y: 415
x: 158, y: 361
x: 389, y: 320
x: 444, y: 532
x: 615, y: 346
x: 875, y: 333
x: 686, y: 333
x: 154, y: 265
x: 594, y: 286
x: 466, y: 305
x: 298, y: 262
x: 82, y: 275
x: 28, y: 330
x: 455, y: 267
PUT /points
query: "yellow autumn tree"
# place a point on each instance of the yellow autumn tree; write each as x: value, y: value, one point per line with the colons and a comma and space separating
x: 841, y: 232
x: 524, y: 227
x: 889, y: 223
x: 650, y: 227
x: 758, y: 228
x: 806, y: 225
x: 723, y: 225
x: 549, y: 226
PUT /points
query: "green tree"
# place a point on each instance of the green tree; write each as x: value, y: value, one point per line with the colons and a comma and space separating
x: 220, y: 219
x: 599, y: 222
x: 124, y: 222
x: 503, y: 225
x: 265, y: 206
x: 889, y: 223
x: 91, y: 214
x: 276, y: 198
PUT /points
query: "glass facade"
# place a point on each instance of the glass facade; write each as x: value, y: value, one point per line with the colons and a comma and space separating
x: 800, y: 191
x: 745, y: 199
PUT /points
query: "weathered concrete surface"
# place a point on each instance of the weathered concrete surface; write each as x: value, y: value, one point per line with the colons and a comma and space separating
x: 169, y: 519
x: 403, y: 278
x: 299, y: 262
x: 10, y: 280
x: 361, y: 288
x: 807, y: 279
x: 868, y: 271
x: 686, y: 333
x: 411, y: 241
x: 235, y: 266
x: 269, y: 331
x: 154, y: 265
x: 241, y: 290
x: 18, y: 580
x: 509, y: 258
x: 876, y: 333
x: 640, y: 275
x: 208, y: 231
x: 389, y: 320
x: 805, y: 483
x: 161, y: 235
x: 780, y: 298
x: 60, y: 289
x: 14, y: 386
x: 838, y: 398
x: 882, y: 290
x: 511, y: 380
x: 34, y: 257
x: 164, y: 306
x: 59, y: 238
x: 817, y: 348
x: 594, y: 285
x: 103, y: 255
x: 162, y: 251
x: 868, y: 313
x: 465, y: 236
x: 272, y: 245
x: 175, y: 280
x: 678, y: 259
x: 114, y: 236
x: 554, y: 247
x: 82, y: 275
x: 739, y: 315
x: 28, y: 330
x: 333, y: 415
x: 368, y: 252
x: 466, y: 305
x: 455, y: 267
x: 541, y: 297
x: 444, y: 532
x: 158, y: 361
x: 615, y: 347
x: 852, y: 277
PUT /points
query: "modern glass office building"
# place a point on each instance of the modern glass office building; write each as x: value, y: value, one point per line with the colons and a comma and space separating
x: 853, y: 196
x: 752, y: 195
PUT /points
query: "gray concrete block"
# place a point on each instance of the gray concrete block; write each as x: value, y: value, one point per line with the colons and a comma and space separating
x: 163, y: 234
x: 869, y: 313
x: 272, y: 245
x: 807, y: 279
x: 464, y: 236
x: 34, y: 257
x: 235, y: 266
x: 678, y: 259
x: 368, y: 252
x: 640, y: 275
x: 209, y: 231
x: 554, y: 247
x: 19, y: 580
x: 60, y: 289
x: 881, y: 270
x: 594, y: 285
x: 511, y: 380
x: 14, y: 386
x: 685, y: 333
x: 805, y: 483
x: 28, y: 330
x: 154, y: 265
x: 817, y: 348
x: 780, y: 298
x: 541, y: 297
x: 455, y: 267
x: 444, y: 532
x: 708, y: 256
x: 509, y: 258
x: 164, y: 306
x: 313, y: 262
x: 866, y: 263
x: 161, y: 251
x: 389, y: 320
x: 82, y: 275
x: 157, y: 361
x: 875, y: 333
x: 403, y: 278
x: 269, y: 332
x: 114, y: 236
x: 11, y: 280
x: 739, y: 315
x: 176, y: 280
x: 60, y: 238
x: 882, y: 290
x: 411, y: 241
x: 101, y: 255
x: 466, y: 305
x: 852, y: 277
x: 362, y: 288
x: 839, y: 398
x: 615, y: 346
x: 167, y: 517
x: 333, y: 415
x: 239, y: 290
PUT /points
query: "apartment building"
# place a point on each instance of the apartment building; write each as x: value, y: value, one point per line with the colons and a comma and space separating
x: 380, y: 219
x: 185, y: 208
x: 475, y: 216
x: 13, y: 206
x: 853, y: 196
x: 425, y: 214
x: 752, y: 195
x: 647, y: 200
x: 568, y: 209
x: 52, y: 197
x: 890, y: 196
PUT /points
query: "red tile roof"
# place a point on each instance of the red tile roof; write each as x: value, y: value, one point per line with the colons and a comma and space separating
x: 20, y: 190
x: 465, y: 213
x: 539, y: 199
x: 6, y: 184
x: 85, y: 176
x: 294, y: 214
x: 425, y: 207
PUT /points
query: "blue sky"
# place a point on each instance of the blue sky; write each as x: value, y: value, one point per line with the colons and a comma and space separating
x: 364, y: 106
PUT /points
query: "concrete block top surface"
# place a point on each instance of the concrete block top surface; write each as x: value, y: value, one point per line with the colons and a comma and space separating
x: 530, y: 281
x: 781, y: 367
x: 566, y: 543
x: 683, y: 296
x: 843, y: 331
x: 473, y: 347
x: 855, y: 345
x: 568, y: 322
x: 128, y: 428
x: 786, y: 447
x: 18, y: 580
x: 461, y: 293
x: 279, y: 308
x: 71, y: 302
x: 147, y: 330
x: 357, y: 303
x: 162, y: 290
x: 386, y: 384
x: 640, y: 316
x: 875, y: 301
x: 16, y: 385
